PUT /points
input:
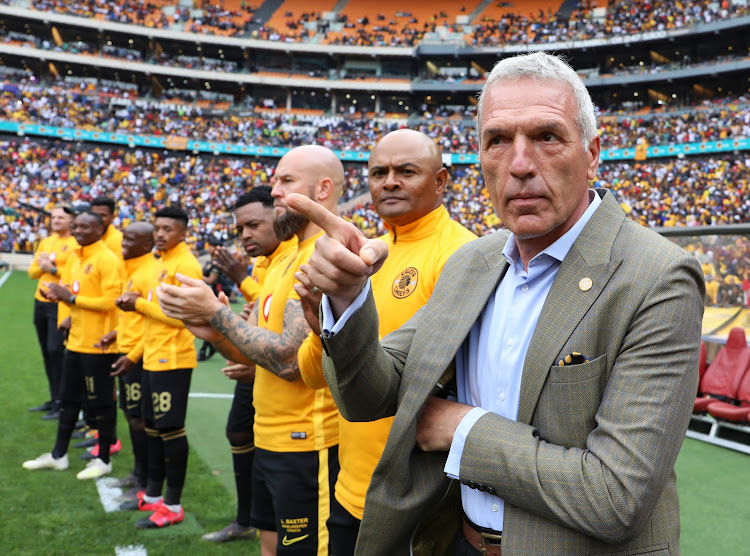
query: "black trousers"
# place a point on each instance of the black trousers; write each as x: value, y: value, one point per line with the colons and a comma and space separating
x: 51, y: 343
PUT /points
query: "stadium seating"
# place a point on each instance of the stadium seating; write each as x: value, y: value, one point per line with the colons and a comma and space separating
x: 739, y: 409
x: 723, y: 376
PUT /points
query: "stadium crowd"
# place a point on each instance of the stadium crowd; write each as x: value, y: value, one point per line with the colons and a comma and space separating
x: 83, y: 106
x: 37, y: 174
x: 401, y: 29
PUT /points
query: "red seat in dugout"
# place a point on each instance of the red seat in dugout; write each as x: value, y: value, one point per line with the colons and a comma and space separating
x: 723, y: 375
x: 739, y: 411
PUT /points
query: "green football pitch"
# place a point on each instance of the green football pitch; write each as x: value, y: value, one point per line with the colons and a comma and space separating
x: 51, y: 513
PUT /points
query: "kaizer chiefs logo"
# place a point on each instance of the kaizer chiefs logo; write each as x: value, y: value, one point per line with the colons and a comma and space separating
x: 163, y: 275
x: 405, y: 283
x: 88, y: 268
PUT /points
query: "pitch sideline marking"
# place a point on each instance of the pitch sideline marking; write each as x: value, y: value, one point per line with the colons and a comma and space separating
x: 4, y: 278
x: 131, y: 550
x: 108, y: 493
x: 208, y: 395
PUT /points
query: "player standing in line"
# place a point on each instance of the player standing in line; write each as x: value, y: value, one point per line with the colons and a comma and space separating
x: 140, y: 267
x: 49, y: 260
x: 296, y: 428
x: 169, y: 358
x: 95, y: 277
x: 254, y: 218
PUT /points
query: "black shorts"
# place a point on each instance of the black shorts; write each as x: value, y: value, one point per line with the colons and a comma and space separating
x: 242, y: 413
x: 165, y: 397
x: 131, y: 391
x: 86, y: 378
x: 292, y: 494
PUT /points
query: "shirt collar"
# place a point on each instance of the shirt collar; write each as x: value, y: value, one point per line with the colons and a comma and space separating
x: 559, y: 249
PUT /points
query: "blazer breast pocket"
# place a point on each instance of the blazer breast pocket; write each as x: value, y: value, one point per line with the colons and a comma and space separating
x: 578, y: 373
x: 568, y: 402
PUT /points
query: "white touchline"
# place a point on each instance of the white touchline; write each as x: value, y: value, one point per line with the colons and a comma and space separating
x: 4, y: 278
x: 108, y: 493
x: 131, y: 550
x: 209, y: 395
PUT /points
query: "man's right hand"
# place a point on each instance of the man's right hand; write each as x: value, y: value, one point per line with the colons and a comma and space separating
x: 343, y: 259
x: 122, y: 366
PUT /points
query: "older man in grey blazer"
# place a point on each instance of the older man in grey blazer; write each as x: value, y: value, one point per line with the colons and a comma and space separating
x: 574, y: 341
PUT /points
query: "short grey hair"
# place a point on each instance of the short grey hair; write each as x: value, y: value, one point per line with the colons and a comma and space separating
x: 544, y: 67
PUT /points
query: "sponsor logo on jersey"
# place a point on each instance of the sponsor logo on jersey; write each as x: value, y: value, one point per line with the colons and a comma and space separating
x: 267, y: 306
x: 150, y: 295
x: 76, y: 287
x: 53, y: 257
x: 405, y: 284
x: 129, y: 286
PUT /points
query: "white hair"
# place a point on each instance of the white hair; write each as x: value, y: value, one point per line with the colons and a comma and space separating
x: 544, y: 67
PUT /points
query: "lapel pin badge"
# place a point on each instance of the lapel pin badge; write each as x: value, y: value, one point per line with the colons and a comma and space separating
x: 585, y: 284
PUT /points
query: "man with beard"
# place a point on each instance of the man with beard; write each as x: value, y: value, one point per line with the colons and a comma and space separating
x: 47, y: 265
x: 95, y: 276
x: 296, y: 428
x: 254, y: 217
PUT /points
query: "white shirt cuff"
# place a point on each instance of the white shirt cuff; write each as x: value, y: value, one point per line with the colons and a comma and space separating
x: 453, y: 464
x: 331, y: 326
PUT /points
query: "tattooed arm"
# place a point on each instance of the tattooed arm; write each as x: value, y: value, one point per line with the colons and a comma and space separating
x: 275, y: 352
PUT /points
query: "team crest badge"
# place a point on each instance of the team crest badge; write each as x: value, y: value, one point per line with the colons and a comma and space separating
x: 129, y: 286
x: 75, y: 287
x: 405, y: 284
x: 163, y: 275
x: 64, y: 249
x: 88, y: 268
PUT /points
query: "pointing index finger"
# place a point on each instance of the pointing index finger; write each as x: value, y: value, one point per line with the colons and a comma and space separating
x: 318, y: 215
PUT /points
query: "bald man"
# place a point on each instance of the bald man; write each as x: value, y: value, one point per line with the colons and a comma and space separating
x: 407, y: 181
x: 140, y: 267
x: 296, y: 428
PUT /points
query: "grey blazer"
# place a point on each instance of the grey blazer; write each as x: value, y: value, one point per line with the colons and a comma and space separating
x: 588, y: 467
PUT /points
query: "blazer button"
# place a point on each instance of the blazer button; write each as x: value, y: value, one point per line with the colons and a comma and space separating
x: 471, y: 484
x: 491, y: 490
x: 481, y: 488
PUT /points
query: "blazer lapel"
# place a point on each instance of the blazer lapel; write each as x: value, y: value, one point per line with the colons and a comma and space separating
x: 570, y: 297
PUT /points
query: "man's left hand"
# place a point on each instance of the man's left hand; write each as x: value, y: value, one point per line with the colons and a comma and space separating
x: 438, y: 423
x: 193, y: 303
x: 126, y: 302
x: 230, y: 265
x: 56, y: 292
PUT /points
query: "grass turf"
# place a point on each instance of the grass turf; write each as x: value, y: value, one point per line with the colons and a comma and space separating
x: 51, y: 513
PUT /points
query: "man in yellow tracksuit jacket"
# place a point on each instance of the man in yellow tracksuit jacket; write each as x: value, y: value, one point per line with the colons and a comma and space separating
x: 254, y: 218
x: 140, y: 268
x: 169, y: 357
x: 94, y: 275
x: 296, y: 432
x: 49, y: 261
x: 407, y: 181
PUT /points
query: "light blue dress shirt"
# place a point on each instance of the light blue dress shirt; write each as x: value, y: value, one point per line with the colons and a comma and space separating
x: 489, y: 365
